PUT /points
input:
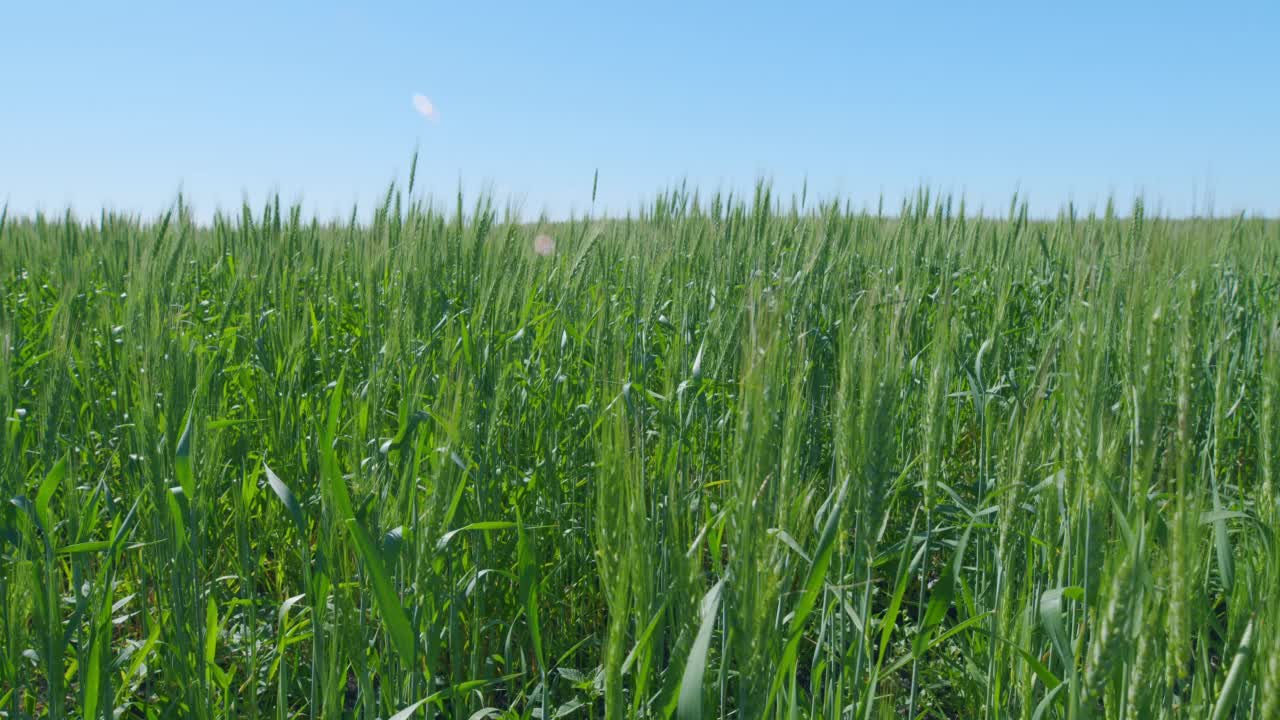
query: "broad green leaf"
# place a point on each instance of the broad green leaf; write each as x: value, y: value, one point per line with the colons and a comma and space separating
x: 211, y: 628
x: 50, y: 484
x: 690, y: 704
x: 182, y: 458
x: 91, y: 546
x: 1053, y: 617
x: 443, y: 542
x: 177, y: 502
x: 1236, y: 676
x: 408, y: 711
x: 283, y: 492
x: 393, y: 614
x: 529, y: 590
x: 1221, y: 538
x: 1211, y: 517
x: 331, y: 480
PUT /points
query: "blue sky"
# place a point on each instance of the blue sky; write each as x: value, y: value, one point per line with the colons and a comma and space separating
x: 120, y: 104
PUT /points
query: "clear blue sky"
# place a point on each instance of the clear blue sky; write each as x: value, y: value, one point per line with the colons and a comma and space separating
x: 121, y: 103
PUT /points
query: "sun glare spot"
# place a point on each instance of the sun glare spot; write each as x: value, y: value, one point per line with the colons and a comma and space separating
x: 425, y: 107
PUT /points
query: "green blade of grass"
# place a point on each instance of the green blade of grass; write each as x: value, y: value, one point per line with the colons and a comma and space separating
x: 394, y: 617
x: 689, y: 707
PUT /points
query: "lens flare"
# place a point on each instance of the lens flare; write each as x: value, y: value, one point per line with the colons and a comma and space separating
x: 425, y: 107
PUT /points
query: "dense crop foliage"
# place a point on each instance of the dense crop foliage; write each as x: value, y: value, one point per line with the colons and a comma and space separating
x: 724, y: 458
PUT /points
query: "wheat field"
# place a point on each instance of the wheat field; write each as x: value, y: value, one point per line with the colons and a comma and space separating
x: 748, y: 457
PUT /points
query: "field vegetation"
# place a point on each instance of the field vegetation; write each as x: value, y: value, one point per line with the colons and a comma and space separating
x: 750, y: 457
